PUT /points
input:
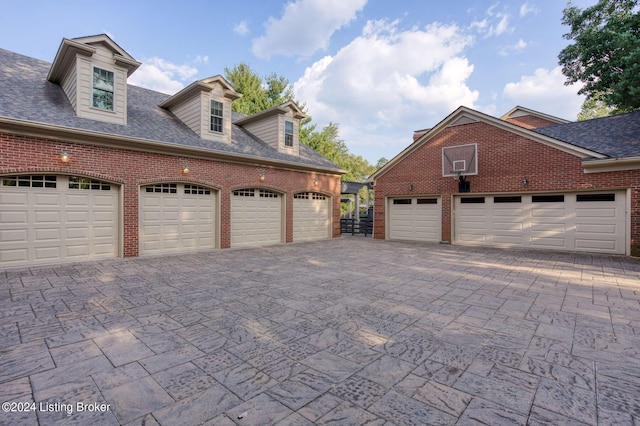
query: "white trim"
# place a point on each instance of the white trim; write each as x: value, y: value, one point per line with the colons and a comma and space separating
x: 611, y: 164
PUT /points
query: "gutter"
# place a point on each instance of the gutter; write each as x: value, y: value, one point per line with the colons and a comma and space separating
x: 592, y: 165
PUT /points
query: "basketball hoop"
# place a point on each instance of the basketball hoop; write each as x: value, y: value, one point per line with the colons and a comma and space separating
x: 457, y: 175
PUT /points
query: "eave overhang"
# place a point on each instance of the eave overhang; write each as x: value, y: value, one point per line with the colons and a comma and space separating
x: 194, y: 89
x: 67, y: 134
x: 70, y: 48
x: 610, y: 164
x: 280, y: 109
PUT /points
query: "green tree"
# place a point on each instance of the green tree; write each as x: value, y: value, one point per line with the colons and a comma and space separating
x: 381, y: 162
x: 328, y: 143
x: 260, y: 94
x: 594, y: 107
x: 605, y: 55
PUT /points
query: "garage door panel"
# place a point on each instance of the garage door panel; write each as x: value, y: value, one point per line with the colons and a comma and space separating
x: 48, y: 253
x: 594, y: 244
x: 173, y: 202
x: 15, y: 256
x: 47, y: 216
x: 103, y: 218
x: 150, y: 200
x: 13, y: 199
x: 473, y: 237
x: 77, y: 251
x: 473, y: 225
x: 176, y: 218
x: 507, y: 239
x: 558, y: 213
x: 596, y: 213
x: 11, y: 235
x: 82, y: 200
x: 501, y: 224
x: 19, y: 217
x: 550, y: 242
x: 103, y: 231
x: 47, y: 234
x: 591, y: 228
x: 52, y: 200
x: 575, y: 222
x: 558, y: 228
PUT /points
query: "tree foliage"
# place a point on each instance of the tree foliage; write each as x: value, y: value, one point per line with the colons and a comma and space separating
x: 594, y: 107
x: 605, y: 55
x: 260, y: 94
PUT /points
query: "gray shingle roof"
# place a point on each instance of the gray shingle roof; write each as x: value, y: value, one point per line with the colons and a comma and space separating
x: 25, y: 94
x: 617, y: 136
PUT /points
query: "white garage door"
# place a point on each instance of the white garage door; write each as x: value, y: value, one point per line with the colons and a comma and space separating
x: 176, y: 217
x: 311, y: 217
x: 48, y: 219
x: 415, y: 219
x: 256, y: 217
x: 590, y: 222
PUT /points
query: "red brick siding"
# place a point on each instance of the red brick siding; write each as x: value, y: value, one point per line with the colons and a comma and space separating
x: 504, y: 159
x: 130, y: 169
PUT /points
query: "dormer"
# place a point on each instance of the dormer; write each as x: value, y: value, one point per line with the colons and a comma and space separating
x: 278, y: 126
x: 93, y: 73
x: 205, y: 106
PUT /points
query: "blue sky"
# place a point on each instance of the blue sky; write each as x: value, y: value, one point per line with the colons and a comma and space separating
x: 380, y: 69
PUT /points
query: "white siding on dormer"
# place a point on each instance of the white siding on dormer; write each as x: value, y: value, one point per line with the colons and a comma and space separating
x: 267, y: 130
x: 103, y: 58
x: 189, y: 113
x: 70, y: 86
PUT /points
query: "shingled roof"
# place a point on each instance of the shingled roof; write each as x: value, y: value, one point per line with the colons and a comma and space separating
x: 26, y: 95
x: 616, y: 136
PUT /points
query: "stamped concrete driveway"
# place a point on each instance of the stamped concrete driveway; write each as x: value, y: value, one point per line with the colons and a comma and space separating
x: 348, y: 331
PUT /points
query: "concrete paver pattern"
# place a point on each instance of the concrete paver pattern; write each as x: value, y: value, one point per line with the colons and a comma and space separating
x: 347, y: 331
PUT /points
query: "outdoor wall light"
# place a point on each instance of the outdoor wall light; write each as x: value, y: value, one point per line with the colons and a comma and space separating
x: 525, y: 181
x: 64, y: 156
x: 185, y: 168
x: 261, y: 177
x: 315, y: 181
x: 410, y: 187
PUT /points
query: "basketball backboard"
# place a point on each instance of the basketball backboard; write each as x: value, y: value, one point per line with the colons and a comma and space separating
x: 460, y: 160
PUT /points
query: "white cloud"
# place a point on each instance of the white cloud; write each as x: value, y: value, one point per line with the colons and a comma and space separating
x: 494, y: 24
x: 526, y: 9
x: 201, y: 59
x: 241, y: 28
x: 388, y: 81
x: 545, y: 91
x: 518, y: 47
x: 305, y: 27
x: 163, y: 76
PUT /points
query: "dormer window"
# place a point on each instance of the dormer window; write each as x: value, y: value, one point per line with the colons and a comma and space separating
x: 216, y: 117
x: 102, y: 89
x: 288, y: 133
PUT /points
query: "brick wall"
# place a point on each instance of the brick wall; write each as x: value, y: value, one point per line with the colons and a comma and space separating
x: 504, y: 159
x: 130, y: 169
